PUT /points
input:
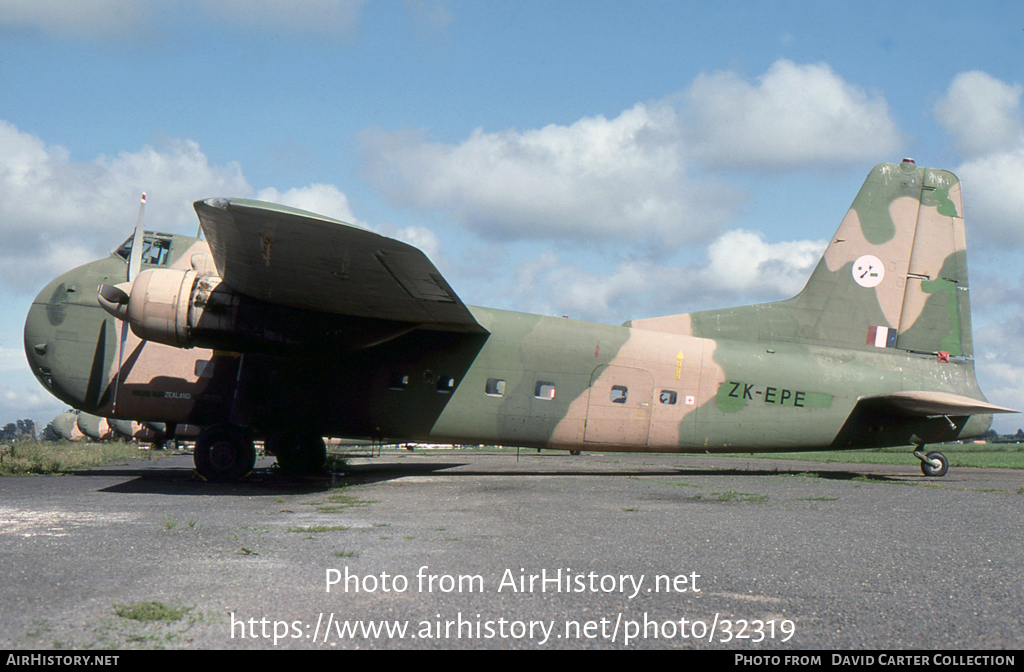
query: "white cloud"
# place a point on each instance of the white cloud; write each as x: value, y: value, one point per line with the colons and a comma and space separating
x: 90, y: 18
x: 595, y: 179
x: 318, y: 198
x: 100, y: 19
x: 552, y: 288
x: 993, y: 195
x: 631, y: 178
x: 981, y: 113
x: 56, y: 213
x: 307, y: 16
x: 794, y: 115
x: 422, y: 238
x: 738, y: 267
x: 742, y: 262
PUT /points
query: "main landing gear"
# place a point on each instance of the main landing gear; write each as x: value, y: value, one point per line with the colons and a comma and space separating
x: 297, y: 452
x: 224, y: 453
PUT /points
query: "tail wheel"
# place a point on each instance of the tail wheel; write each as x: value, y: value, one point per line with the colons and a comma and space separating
x: 224, y: 453
x: 932, y: 471
x: 299, y: 453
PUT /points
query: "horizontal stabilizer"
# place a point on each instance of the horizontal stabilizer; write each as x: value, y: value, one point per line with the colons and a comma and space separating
x: 299, y: 259
x: 936, y: 403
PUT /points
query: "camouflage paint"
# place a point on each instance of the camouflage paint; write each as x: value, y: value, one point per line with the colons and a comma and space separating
x: 806, y: 373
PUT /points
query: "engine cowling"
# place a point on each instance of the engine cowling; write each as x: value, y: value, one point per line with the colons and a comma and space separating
x: 188, y: 309
x: 159, y: 306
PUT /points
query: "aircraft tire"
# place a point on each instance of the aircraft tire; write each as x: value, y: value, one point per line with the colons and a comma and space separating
x: 224, y: 453
x: 932, y: 472
x: 299, y: 453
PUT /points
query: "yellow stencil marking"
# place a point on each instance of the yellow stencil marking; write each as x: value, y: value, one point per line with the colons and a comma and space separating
x: 679, y: 364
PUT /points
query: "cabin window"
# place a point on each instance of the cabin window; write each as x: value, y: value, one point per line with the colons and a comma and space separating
x: 669, y: 397
x: 445, y: 384
x: 204, y: 368
x: 156, y: 251
x: 619, y: 393
x: 544, y: 390
x: 494, y: 387
x: 398, y: 381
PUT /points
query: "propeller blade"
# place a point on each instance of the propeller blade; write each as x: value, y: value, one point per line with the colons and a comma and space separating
x: 135, y: 258
x: 114, y: 298
x: 120, y: 359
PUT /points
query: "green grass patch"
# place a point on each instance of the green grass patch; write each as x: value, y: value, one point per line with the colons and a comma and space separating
x: 345, y: 554
x: 985, y: 455
x: 151, y: 611
x: 320, y: 528
x: 61, y: 457
x: 338, y: 501
x: 336, y: 462
x: 815, y: 499
x: 732, y: 495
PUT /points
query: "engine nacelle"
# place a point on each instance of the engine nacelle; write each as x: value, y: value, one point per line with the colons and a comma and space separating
x: 188, y: 309
x: 168, y: 306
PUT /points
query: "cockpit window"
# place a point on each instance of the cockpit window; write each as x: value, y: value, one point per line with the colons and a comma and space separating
x: 155, y: 251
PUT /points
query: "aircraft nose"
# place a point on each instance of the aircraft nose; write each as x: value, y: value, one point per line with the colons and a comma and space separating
x: 40, y: 333
x: 68, y: 342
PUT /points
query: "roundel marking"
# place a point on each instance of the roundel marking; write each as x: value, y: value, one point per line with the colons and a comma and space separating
x: 868, y: 270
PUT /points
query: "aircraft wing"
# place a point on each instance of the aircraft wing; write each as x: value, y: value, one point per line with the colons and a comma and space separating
x: 935, y: 403
x: 295, y: 258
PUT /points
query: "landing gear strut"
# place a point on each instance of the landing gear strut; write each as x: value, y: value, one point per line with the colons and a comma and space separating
x: 933, y: 464
x: 224, y: 453
x: 298, y: 453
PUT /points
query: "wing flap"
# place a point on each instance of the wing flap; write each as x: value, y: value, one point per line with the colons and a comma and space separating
x: 295, y: 258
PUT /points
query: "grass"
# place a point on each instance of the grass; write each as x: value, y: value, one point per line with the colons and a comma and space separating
x: 337, y: 502
x: 61, y: 457
x: 986, y: 455
x: 731, y: 495
x: 345, y: 554
x: 151, y: 611
x: 320, y: 528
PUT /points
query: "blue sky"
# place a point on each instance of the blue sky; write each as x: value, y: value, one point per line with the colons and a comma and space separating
x: 604, y: 160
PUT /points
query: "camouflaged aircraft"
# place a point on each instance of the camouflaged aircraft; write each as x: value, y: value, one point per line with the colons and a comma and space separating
x: 76, y: 425
x: 288, y: 327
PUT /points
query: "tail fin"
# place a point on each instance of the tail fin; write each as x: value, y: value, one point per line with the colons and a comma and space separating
x: 895, y: 273
x: 893, y: 276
